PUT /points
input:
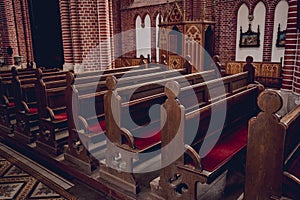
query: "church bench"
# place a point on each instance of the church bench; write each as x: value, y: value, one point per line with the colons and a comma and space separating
x: 26, y: 108
x: 273, y: 146
x: 81, y: 79
x: 96, y: 83
x: 192, y: 155
x: 7, y: 105
x: 267, y: 73
x: 52, y: 114
x: 79, y: 98
x: 52, y: 108
x: 128, y: 139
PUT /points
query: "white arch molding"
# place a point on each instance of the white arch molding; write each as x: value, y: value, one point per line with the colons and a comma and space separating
x: 157, y: 37
x: 243, y: 21
x: 143, y: 36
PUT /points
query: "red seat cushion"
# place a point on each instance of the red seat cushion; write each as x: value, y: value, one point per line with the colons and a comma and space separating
x: 225, y: 149
x: 147, y: 139
x: 11, y: 104
x: 61, y: 116
x: 33, y: 110
x: 98, y: 127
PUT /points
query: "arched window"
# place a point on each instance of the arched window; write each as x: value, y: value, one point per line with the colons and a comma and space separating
x: 280, y: 22
x: 143, y: 36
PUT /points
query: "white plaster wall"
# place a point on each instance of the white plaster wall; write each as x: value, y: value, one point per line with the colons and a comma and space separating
x: 143, y: 37
x: 281, y: 15
x: 242, y: 21
x: 259, y: 19
x: 157, y: 38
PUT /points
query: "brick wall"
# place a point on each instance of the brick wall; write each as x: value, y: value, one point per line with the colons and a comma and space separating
x: 15, y: 30
x: 86, y: 31
x: 291, y: 70
x: 128, y: 17
x: 66, y: 31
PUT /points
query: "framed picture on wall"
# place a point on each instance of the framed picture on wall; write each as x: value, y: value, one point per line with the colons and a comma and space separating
x: 280, y: 42
x: 249, y: 38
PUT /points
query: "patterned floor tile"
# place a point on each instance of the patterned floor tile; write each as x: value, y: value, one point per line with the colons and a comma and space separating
x: 14, y: 171
x: 42, y: 191
x: 16, y: 184
x: 10, y: 190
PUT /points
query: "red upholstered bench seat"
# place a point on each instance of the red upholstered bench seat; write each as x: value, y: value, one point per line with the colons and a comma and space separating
x: 11, y: 104
x: 147, y: 139
x: 98, y: 127
x: 33, y: 110
x: 225, y: 150
x: 61, y: 116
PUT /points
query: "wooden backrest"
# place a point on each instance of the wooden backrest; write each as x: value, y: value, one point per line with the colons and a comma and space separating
x: 236, y: 95
x: 138, y: 99
x: 85, y: 93
x: 270, y: 140
x: 269, y: 69
x: 49, y: 91
x: 158, y: 85
x: 23, y: 90
x: 262, y: 69
x: 233, y: 67
x: 102, y: 77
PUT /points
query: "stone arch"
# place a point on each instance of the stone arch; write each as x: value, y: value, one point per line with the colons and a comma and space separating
x: 238, y: 5
x: 256, y: 2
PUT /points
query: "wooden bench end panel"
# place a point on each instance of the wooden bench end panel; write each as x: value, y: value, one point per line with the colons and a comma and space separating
x: 265, y: 149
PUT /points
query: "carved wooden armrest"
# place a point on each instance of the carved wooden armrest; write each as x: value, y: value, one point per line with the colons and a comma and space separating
x: 292, y: 177
x: 59, y: 110
x: 25, y: 106
x: 190, y: 151
x: 5, y: 100
x: 50, y: 113
x: 32, y: 104
x: 83, y: 124
x: 129, y: 137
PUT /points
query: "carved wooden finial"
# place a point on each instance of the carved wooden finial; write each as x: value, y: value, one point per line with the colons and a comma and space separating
x: 70, y: 78
x: 111, y: 82
x: 172, y: 89
x: 269, y: 101
x: 39, y: 74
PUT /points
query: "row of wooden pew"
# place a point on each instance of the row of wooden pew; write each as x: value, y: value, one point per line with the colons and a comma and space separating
x: 110, y: 117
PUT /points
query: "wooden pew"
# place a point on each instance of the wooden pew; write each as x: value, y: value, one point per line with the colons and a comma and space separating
x: 52, y: 105
x: 26, y: 108
x: 52, y: 116
x: 7, y: 105
x: 79, y: 98
x: 271, y: 141
x: 213, y: 146
x: 267, y: 73
x: 124, y: 135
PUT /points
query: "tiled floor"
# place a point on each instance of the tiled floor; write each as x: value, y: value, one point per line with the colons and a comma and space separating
x: 229, y: 188
x: 15, y: 183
